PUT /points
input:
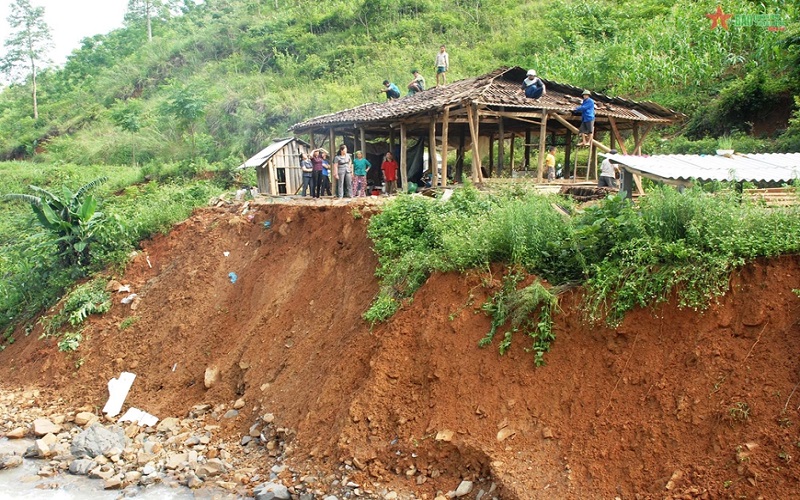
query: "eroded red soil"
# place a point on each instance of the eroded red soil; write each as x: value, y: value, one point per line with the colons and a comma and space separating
x: 674, y: 403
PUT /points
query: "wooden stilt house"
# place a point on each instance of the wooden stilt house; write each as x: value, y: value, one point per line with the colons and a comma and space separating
x: 278, y: 166
x: 483, y: 117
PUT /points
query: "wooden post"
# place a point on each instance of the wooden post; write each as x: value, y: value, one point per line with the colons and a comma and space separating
x: 363, y: 139
x: 332, y: 138
x: 491, y: 154
x: 501, y: 146
x: 403, y: 157
x: 462, y: 139
x: 391, y: 141
x: 473, y: 119
x: 433, y: 165
x: 511, y: 151
x: 313, y: 141
x: 567, y: 153
x: 637, y: 147
x: 445, y: 131
x: 636, y: 139
x: 527, y: 148
x: 542, y: 145
x: 615, y: 134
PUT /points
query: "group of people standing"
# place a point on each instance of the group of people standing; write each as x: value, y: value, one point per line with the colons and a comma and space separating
x: 349, y: 174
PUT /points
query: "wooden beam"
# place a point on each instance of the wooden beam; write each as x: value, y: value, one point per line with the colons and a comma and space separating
x: 432, y: 163
x: 527, y: 149
x: 501, y: 147
x: 459, y: 176
x: 332, y: 138
x: 511, y: 151
x: 363, y: 140
x: 615, y: 133
x: 542, y: 145
x: 567, y: 153
x: 445, y: 131
x: 403, y: 157
x: 638, y: 141
x: 491, y: 154
x: 574, y: 130
x: 472, y: 112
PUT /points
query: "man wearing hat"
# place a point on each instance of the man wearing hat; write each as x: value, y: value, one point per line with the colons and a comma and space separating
x: 586, y: 110
x: 533, y: 86
x: 608, y: 172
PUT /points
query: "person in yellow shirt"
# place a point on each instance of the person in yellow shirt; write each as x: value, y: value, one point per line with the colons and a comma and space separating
x: 550, y: 163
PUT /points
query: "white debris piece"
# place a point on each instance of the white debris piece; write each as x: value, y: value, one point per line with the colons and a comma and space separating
x: 140, y: 417
x: 124, y: 288
x: 129, y: 298
x: 226, y: 253
x: 446, y: 195
x: 118, y: 391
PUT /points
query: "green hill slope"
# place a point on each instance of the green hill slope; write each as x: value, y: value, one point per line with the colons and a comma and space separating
x: 225, y: 76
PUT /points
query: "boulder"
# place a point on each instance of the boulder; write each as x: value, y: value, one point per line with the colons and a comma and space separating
x: 271, y: 491
x: 463, y: 489
x: 10, y: 461
x: 43, y: 426
x: 97, y: 440
x: 213, y: 467
x: 211, y: 377
x: 84, y: 418
x: 81, y: 466
x: 17, y: 433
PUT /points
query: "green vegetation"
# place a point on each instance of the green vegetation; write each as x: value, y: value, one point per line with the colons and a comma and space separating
x: 217, y: 80
x: 625, y: 256
x: 35, y: 275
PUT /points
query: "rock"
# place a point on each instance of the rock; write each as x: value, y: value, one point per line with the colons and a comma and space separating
x: 445, y: 435
x: 211, y: 468
x: 39, y: 449
x: 194, y: 482
x: 113, y: 483
x: 463, y: 489
x: 231, y: 414
x: 176, y: 460
x: 547, y: 433
x: 17, y: 433
x: 84, y: 418
x: 505, y: 433
x: 97, y: 440
x: 132, y: 477
x: 170, y: 424
x: 245, y: 440
x: 270, y: 491
x: 211, y: 377
x: 10, y: 461
x: 392, y: 495
x: 239, y: 404
x: 43, y: 426
x: 81, y: 466
x: 268, y: 418
x: 148, y: 469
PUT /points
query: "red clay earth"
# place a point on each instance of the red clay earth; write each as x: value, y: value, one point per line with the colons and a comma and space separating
x: 673, y: 404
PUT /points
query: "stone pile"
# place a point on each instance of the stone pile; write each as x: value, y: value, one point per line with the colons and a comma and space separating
x: 181, y: 451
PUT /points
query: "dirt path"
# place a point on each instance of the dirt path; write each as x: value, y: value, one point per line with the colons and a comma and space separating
x: 672, y: 404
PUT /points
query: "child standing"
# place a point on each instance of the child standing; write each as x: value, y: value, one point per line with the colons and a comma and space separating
x: 442, y: 65
x: 389, y: 167
x: 360, y: 168
x: 550, y: 163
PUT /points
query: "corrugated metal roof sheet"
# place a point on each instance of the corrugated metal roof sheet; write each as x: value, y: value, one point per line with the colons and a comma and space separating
x: 774, y: 167
x: 265, y: 154
x: 498, y: 88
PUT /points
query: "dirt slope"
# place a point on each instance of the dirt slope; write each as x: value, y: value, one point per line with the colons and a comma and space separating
x: 672, y: 404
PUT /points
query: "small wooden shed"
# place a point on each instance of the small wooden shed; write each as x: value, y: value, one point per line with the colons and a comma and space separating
x: 278, y: 166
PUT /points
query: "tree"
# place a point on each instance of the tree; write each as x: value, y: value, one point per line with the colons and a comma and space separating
x: 187, y: 104
x: 147, y: 10
x: 72, y: 217
x: 28, y: 43
x: 128, y: 116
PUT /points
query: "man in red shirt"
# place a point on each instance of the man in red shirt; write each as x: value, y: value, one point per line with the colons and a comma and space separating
x: 389, y: 167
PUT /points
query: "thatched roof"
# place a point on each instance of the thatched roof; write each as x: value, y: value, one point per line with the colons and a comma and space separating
x: 492, y: 90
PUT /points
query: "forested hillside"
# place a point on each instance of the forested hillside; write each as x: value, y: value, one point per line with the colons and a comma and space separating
x: 219, y: 79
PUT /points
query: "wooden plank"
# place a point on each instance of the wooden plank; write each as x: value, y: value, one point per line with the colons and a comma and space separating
x: 472, y: 112
x: 445, y: 131
x: 615, y: 132
x: 542, y: 146
x: 403, y: 157
x: 432, y: 163
x: 501, y: 147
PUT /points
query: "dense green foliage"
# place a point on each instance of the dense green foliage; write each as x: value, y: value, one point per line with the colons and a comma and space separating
x: 34, y: 275
x: 220, y: 78
x: 626, y: 256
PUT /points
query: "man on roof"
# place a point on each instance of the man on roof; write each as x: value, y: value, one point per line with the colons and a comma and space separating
x: 586, y: 110
x: 533, y: 86
x: 391, y: 90
x: 417, y: 84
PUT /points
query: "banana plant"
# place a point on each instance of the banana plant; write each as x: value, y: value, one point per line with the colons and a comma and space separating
x: 72, y: 218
